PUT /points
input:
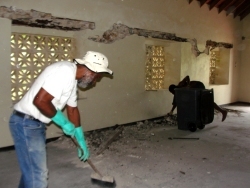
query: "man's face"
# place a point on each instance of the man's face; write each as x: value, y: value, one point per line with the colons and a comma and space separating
x: 88, y: 79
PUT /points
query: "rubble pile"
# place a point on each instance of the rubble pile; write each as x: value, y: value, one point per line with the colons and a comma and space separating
x: 101, y: 139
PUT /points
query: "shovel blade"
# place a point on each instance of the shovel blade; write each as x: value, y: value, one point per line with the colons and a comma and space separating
x: 108, y: 179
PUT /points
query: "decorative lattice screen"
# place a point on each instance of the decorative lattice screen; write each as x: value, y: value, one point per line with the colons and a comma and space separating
x: 214, y: 60
x: 155, y: 63
x: 30, y: 54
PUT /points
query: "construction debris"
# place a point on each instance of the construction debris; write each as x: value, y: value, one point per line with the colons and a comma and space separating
x: 116, y: 136
x: 102, y: 139
x: 237, y: 112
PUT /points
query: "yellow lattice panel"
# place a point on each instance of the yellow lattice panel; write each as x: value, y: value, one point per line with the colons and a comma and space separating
x: 30, y: 54
x: 214, y: 60
x: 155, y: 67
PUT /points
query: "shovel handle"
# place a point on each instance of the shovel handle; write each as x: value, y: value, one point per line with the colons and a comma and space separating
x: 94, y: 168
x: 88, y: 160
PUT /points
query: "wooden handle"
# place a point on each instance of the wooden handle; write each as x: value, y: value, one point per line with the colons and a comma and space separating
x: 94, y: 168
x: 88, y: 160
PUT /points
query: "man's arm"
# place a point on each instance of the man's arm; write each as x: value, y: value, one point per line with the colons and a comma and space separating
x: 172, y: 110
x: 43, y: 101
x: 174, y: 106
x: 73, y: 115
x: 71, y: 126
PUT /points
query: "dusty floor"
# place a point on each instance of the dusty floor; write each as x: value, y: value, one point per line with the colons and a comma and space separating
x: 143, y: 156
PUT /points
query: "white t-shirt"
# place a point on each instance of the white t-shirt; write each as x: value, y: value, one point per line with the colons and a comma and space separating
x: 57, y: 79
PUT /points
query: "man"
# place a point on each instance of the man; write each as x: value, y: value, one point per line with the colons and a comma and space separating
x: 192, y: 84
x: 54, y: 89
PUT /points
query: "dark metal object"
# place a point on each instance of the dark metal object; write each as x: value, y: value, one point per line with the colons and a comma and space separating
x: 182, y: 138
x: 195, y: 108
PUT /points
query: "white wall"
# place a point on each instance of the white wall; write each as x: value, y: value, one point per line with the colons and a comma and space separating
x: 244, y: 47
x: 5, y: 90
x: 123, y: 99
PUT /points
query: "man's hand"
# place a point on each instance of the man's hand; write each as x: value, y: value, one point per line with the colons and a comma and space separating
x: 83, y: 152
x: 61, y: 120
x: 170, y: 113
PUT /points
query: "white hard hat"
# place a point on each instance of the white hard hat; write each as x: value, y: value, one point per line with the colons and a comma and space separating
x: 95, y: 61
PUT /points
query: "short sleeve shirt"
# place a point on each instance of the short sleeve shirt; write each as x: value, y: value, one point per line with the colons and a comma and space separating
x: 57, y: 79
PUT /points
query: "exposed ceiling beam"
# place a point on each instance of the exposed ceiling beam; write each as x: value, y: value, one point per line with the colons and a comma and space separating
x: 239, y: 8
x: 244, y: 14
x: 232, y: 7
x: 244, y: 6
x: 202, y: 2
x: 225, y: 5
x: 215, y: 3
x: 190, y: 1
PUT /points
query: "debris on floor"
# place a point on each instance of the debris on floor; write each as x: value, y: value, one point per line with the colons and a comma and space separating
x: 237, y: 112
x: 106, y: 138
x: 102, y: 139
x: 141, y: 155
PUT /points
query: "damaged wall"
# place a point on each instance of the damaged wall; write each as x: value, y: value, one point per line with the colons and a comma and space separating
x: 123, y: 98
x: 33, y: 18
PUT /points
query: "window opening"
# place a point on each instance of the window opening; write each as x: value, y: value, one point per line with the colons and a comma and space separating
x: 214, y: 60
x: 31, y: 54
x: 155, y: 67
x: 219, y: 66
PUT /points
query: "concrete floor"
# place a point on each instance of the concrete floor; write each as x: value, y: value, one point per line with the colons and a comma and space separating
x: 149, y: 159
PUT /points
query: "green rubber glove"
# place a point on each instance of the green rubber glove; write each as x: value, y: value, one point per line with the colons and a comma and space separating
x: 83, y: 153
x: 67, y: 127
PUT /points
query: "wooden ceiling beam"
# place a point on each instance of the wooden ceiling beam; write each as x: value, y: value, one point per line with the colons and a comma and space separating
x: 202, y: 2
x: 239, y: 8
x: 245, y: 13
x: 232, y: 7
x: 225, y: 5
x: 215, y: 3
x: 244, y: 6
x: 190, y: 1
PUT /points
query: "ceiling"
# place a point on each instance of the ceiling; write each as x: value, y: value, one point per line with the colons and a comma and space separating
x: 236, y: 8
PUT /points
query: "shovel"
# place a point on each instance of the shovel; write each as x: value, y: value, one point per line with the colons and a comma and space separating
x: 97, y: 175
